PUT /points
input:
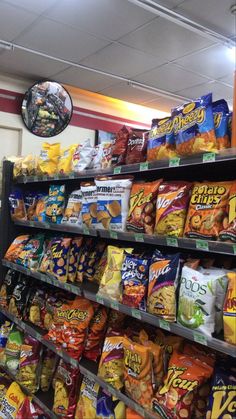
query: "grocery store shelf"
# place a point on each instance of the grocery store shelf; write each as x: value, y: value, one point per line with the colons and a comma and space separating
x: 205, y: 158
x: 65, y: 228
x: 43, y: 399
x: 42, y: 277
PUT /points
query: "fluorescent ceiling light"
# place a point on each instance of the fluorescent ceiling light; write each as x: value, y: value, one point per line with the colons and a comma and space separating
x: 232, y: 53
x: 183, y: 21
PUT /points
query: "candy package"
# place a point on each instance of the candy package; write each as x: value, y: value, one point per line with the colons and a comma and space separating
x: 120, y: 147
x: 171, y: 208
x: 221, y: 115
x: 72, y: 214
x: 111, y: 367
x: 29, y: 362
x: 48, y: 159
x: 112, y: 202
x: 142, y: 207
x: 55, y: 204
x: 161, y: 140
x: 89, y: 204
x: 82, y: 156
x: 137, y: 146
x: 17, y: 205
x: 66, y: 385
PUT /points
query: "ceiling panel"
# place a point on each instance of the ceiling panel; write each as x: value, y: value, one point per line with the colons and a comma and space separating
x: 34, y: 6
x: 121, y: 60
x: 229, y: 79
x: 84, y: 79
x: 165, y: 40
x: 24, y: 64
x: 13, y: 20
x: 60, y: 40
x: 162, y: 103
x: 125, y: 92
x: 108, y: 18
x: 219, y: 91
x: 212, y: 13
x: 170, y: 78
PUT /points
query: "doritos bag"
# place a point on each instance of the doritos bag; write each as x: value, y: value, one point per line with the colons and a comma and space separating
x: 137, y: 146
x: 120, y: 147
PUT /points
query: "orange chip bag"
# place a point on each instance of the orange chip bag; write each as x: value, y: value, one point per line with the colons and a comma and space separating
x: 131, y: 414
x: 207, y: 210
x: 96, y: 333
x: 229, y: 222
x: 157, y: 353
x: 142, y: 207
x: 16, y: 247
x: 138, y: 372
x: 111, y: 366
x: 184, y: 376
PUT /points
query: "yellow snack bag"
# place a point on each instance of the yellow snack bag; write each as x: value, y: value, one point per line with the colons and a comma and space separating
x: 65, y: 159
x: 12, y: 401
x: 111, y: 279
x: 86, y: 406
x: 111, y: 365
x: 48, y: 159
x: 229, y: 310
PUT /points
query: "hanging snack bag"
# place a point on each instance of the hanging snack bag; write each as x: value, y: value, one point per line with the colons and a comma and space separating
x: 72, y: 214
x: 138, y: 372
x: 16, y: 247
x: 55, y: 204
x: 207, y: 210
x: 134, y: 276
x: 108, y: 406
x: 5, y: 330
x: 111, y: 365
x: 229, y: 310
x: 49, y: 362
x: 100, y: 268
x: 82, y: 260
x: 171, y: 208
x: 19, y: 298
x: 31, y: 410
x: 7, y: 287
x: 75, y: 249
x: 102, y: 159
x: 17, y: 205
x: 120, y: 147
x: 110, y: 285
x: 82, y: 156
x: 96, y: 332
x: 89, y: 204
x: 12, y: 401
x: 30, y: 199
x: 48, y: 159
x: 112, y: 202
x: 220, y: 113
x: 221, y: 404
x: 93, y: 259
x: 66, y: 385
x: 59, y: 260
x: 31, y: 255
x: 161, y: 140
x: 185, y: 375
x: 12, y: 350
x: 194, y: 127
x: 40, y: 209
x: 65, y: 160
x: 29, y: 364
x: 228, y: 233
x: 163, y: 281
x: 142, y: 207
x: 36, y: 306
x: 197, y: 298
x: 137, y: 146
x: 87, y: 403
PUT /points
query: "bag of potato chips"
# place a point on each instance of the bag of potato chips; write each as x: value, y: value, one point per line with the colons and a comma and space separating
x: 40, y: 209
x: 32, y: 252
x: 72, y: 214
x: 89, y: 204
x: 59, y: 258
x: 108, y: 406
x: 48, y: 159
x: 82, y: 156
x: 28, y: 373
x: 30, y: 200
x: 7, y: 287
x: 172, y: 206
x: 65, y: 160
x: 228, y: 233
x: 87, y: 403
x: 16, y: 247
x: 12, y: 350
x: 75, y: 249
x: 229, y: 310
x: 17, y: 205
x: 161, y: 140
x: 220, y: 113
x: 55, y: 204
x: 65, y: 390
x: 112, y: 202
x: 49, y: 362
x: 111, y: 363
x: 12, y: 401
x: 96, y: 332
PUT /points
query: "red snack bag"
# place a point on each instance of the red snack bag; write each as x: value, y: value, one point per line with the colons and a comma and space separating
x: 30, y: 410
x: 29, y: 364
x: 120, y: 147
x: 65, y: 384
x: 137, y: 146
x: 97, y: 328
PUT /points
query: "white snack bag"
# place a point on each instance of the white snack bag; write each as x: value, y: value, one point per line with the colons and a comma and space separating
x: 197, y: 297
x: 112, y: 202
x: 89, y: 204
x: 72, y: 213
x: 82, y: 156
x: 221, y: 279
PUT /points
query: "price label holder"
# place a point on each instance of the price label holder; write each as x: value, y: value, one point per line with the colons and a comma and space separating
x: 44, y: 177
x: 139, y: 409
x: 35, y: 178
x: 46, y: 226
x: 99, y: 300
x: 85, y: 230
x: 74, y: 363
x: 139, y: 237
x: 117, y: 170
x: 164, y: 325
x: 202, y: 245
x: 114, y: 305
x: 172, y: 241
x: 174, y: 162
x: 136, y: 313
x: 71, y: 175
x: 208, y: 157
x: 56, y: 177
x: 199, y: 338
x: 143, y: 166
x: 113, y: 235
x: 234, y: 249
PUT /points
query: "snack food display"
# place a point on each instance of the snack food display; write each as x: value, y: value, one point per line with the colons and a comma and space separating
x: 161, y: 140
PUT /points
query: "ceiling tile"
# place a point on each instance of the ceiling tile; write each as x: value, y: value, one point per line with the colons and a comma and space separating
x: 165, y: 40
x: 212, y: 13
x: 219, y: 90
x: 214, y: 62
x: 162, y: 104
x: 13, y: 21
x: 125, y: 92
x: 169, y: 77
x: 84, y: 79
x: 34, y: 6
x: 60, y: 40
x: 169, y: 3
x: 121, y: 60
x: 25, y: 64
x: 229, y: 79
x: 109, y: 18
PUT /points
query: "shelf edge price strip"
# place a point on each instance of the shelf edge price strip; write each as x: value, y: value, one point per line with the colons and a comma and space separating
x: 143, y: 166
x: 199, y: 338
x: 202, y: 245
x: 208, y: 157
x: 174, y: 162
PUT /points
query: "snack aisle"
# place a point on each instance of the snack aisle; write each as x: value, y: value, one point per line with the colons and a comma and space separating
x: 83, y: 269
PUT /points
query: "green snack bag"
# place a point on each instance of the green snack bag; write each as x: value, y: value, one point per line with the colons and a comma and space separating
x: 32, y: 252
x: 12, y: 351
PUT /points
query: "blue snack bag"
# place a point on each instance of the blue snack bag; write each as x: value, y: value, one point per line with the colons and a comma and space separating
x: 221, y: 115
x: 161, y: 140
x: 17, y: 205
x: 194, y: 127
x: 55, y: 204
